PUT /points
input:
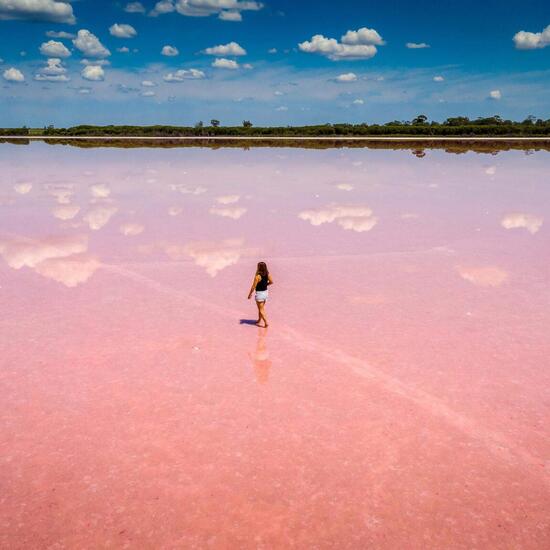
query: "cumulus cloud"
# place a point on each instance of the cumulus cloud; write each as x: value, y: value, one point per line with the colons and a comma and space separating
x: 223, y: 63
x: 134, y: 7
x: 282, y: 108
x: 230, y: 49
x: 54, y: 49
x: 13, y: 75
x: 131, y: 229
x: 169, y: 51
x: 438, y: 78
x: 93, y: 72
x: 89, y: 44
x: 229, y: 15
x: 521, y: 220
x: 55, y: 11
x: 184, y: 74
x: 100, y: 62
x: 495, y: 94
x: 360, y: 44
x: 215, y: 256
x: 59, y: 34
x: 233, y: 212
x: 61, y: 192
x: 532, y: 40
x: 124, y: 49
x: 185, y: 190
x: 53, y: 71
x: 148, y: 93
x: 351, y: 217
x: 347, y: 77
x: 227, y: 199
x: 122, y: 30
x: 65, y: 211
x: 417, y: 45
x: 99, y: 216
x: 272, y: 51
x: 483, y: 276
x: 344, y: 186
x: 358, y: 101
x: 62, y: 259
x: 100, y: 191
x: 22, y: 188
x: 70, y: 271
x: 226, y: 10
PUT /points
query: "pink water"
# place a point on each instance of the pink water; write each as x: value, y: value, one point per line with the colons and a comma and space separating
x: 399, y: 399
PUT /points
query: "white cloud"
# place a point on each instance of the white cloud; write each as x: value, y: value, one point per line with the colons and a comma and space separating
x: 122, y: 30
x: 100, y: 62
x: 532, y: 40
x: 223, y: 63
x: 124, y: 49
x: 22, y: 188
x: 228, y: 199
x: 148, y: 83
x: 346, y: 77
x: 53, y: 71
x: 417, y: 45
x: 89, y: 44
x: 169, y: 51
x: 99, y: 216
x: 84, y: 91
x: 175, y: 210
x: 358, y: 101
x: 491, y: 170
x: 93, y: 72
x: 233, y: 212
x: 282, y: 108
x: 272, y: 50
x: 62, y: 259
x: 230, y: 49
x: 495, y: 94
x: 184, y: 190
x: 65, y: 211
x: 230, y: 16
x: 438, y: 78
x: 162, y: 7
x: 54, y: 49
x: 361, y: 37
x: 13, y: 75
x: 352, y: 217
x: 521, y: 220
x: 483, y: 276
x: 131, y: 229
x: 344, y: 186
x: 225, y: 9
x: 55, y: 11
x: 360, y: 44
x: 100, y: 191
x: 148, y: 93
x: 215, y: 256
x: 134, y: 7
x: 184, y: 74
x: 59, y: 34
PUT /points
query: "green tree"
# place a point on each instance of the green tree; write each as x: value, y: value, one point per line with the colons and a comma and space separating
x: 215, y: 123
x: 247, y: 124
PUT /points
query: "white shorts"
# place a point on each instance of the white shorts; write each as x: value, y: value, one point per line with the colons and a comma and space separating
x: 261, y: 295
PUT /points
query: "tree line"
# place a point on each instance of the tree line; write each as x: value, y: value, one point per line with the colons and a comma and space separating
x: 419, y: 126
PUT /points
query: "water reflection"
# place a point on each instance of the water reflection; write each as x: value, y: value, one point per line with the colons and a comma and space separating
x: 260, y: 358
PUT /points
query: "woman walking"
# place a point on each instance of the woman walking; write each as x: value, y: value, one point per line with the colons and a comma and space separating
x: 262, y: 279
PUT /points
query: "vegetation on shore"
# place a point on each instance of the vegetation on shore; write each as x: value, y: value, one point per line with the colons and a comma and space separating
x: 419, y: 126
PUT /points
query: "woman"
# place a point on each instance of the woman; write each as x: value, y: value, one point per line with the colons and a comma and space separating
x: 260, y: 283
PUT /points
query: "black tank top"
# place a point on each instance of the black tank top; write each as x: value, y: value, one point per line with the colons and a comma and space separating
x: 262, y: 284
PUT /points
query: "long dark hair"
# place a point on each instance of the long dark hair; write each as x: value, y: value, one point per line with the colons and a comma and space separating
x: 262, y: 269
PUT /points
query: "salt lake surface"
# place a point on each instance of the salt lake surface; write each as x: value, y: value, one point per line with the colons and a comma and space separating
x: 399, y: 399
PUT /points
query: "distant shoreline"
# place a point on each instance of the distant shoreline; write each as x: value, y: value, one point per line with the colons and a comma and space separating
x: 284, y: 138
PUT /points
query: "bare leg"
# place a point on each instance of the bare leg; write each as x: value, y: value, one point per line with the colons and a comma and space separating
x: 259, y: 313
x: 261, y: 307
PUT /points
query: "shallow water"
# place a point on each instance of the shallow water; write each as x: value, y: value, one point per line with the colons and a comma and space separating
x: 399, y: 399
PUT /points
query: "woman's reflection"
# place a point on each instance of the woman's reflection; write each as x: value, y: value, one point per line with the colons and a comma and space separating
x: 260, y: 358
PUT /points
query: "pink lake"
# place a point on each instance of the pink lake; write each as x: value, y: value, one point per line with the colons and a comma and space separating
x: 400, y: 398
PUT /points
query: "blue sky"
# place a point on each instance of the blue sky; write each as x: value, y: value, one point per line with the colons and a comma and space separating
x: 274, y: 62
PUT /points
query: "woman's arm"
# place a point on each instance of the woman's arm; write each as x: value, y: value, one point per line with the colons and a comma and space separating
x: 269, y: 280
x: 253, y: 287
